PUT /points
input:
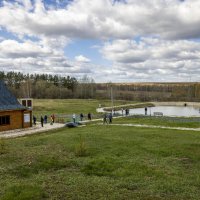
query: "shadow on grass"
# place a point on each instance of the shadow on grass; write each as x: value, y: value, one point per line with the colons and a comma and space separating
x: 100, y: 167
x: 24, y: 192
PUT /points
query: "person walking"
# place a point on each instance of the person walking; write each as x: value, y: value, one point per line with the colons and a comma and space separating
x: 34, y: 120
x: 51, y: 120
x: 110, y: 118
x: 81, y: 116
x: 42, y: 121
x: 74, y: 118
x: 105, y: 119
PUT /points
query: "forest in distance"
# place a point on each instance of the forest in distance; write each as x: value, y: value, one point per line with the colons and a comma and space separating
x: 47, y: 86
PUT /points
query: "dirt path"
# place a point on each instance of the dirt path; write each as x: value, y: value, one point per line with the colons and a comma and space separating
x: 30, y: 131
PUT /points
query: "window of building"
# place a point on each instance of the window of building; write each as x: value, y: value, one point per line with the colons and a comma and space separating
x: 29, y: 103
x: 24, y: 103
x: 4, y: 120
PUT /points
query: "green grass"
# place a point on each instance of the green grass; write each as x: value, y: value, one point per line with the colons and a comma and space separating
x: 3, y: 148
x: 120, y: 163
x: 160, y: 121
x: 102, y: 162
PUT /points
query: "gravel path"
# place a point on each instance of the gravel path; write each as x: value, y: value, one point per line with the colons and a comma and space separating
x: 30, y: 131
x: 153, y: 126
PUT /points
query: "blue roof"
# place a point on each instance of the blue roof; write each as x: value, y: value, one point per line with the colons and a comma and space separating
x: 7, y: 100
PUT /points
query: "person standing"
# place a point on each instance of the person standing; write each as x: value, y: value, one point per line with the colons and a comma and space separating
x: 145, y: 110
x: 53, y: 117
x: 89, y: 116
x: 127, y: 111
x: 42, y: 121
x: 45, y: 119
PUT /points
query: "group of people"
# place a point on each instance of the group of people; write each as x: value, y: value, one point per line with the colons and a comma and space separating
x: 43, y: 120
x: 89, y: 116
x: 107, y: 116
x: 126, y: 111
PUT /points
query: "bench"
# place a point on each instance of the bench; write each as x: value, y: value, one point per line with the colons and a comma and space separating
x: 158, y: 114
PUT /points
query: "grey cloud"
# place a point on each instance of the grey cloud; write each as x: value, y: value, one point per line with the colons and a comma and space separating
x: 161, y: 59
x: 102, y: 19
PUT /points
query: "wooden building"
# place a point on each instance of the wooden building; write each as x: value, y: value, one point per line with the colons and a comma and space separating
x: 12, y: 114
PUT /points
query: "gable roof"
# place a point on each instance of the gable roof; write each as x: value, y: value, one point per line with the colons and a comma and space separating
x: 7, y: 100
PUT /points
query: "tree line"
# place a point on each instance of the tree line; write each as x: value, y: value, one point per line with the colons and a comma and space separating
x: 48, y: 86
x: 62, y: 87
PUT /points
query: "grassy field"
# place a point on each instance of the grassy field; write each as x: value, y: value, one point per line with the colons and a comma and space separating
x: 101, y: 161
x: 70, y: 106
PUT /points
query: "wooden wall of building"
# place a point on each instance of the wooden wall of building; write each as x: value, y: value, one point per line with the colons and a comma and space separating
x: 16, y: 120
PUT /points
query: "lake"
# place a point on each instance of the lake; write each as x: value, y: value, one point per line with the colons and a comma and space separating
x: 180, y: 111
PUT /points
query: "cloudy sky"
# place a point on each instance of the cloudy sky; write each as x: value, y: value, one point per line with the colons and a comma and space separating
x: 109, y: 40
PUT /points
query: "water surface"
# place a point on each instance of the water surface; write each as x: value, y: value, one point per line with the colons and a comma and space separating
x: 180, y: 111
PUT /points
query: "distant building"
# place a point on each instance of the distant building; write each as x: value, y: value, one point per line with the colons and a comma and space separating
x: 13, y: 115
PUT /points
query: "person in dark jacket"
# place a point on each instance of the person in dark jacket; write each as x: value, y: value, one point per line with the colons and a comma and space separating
x: 81, y: 116
x: 89, y: 116
x: 34, y: 120
x: 45, y: 119
x: 110, y: 118
x: 105, y: 118
x: 145, y: 109
x: 42, y: 121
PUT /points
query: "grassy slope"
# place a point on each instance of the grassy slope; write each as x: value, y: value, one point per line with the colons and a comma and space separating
x: 121, y: 163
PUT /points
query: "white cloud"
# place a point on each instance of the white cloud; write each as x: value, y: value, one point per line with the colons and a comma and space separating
x: 35, y: 57
x: 82, y: 58
x: 12, y: 49
x: 163, y: 52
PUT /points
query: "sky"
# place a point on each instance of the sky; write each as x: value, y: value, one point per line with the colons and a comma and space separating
x: 107, y: 40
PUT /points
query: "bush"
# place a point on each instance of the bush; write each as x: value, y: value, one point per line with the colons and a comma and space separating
x: 81, y: 148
